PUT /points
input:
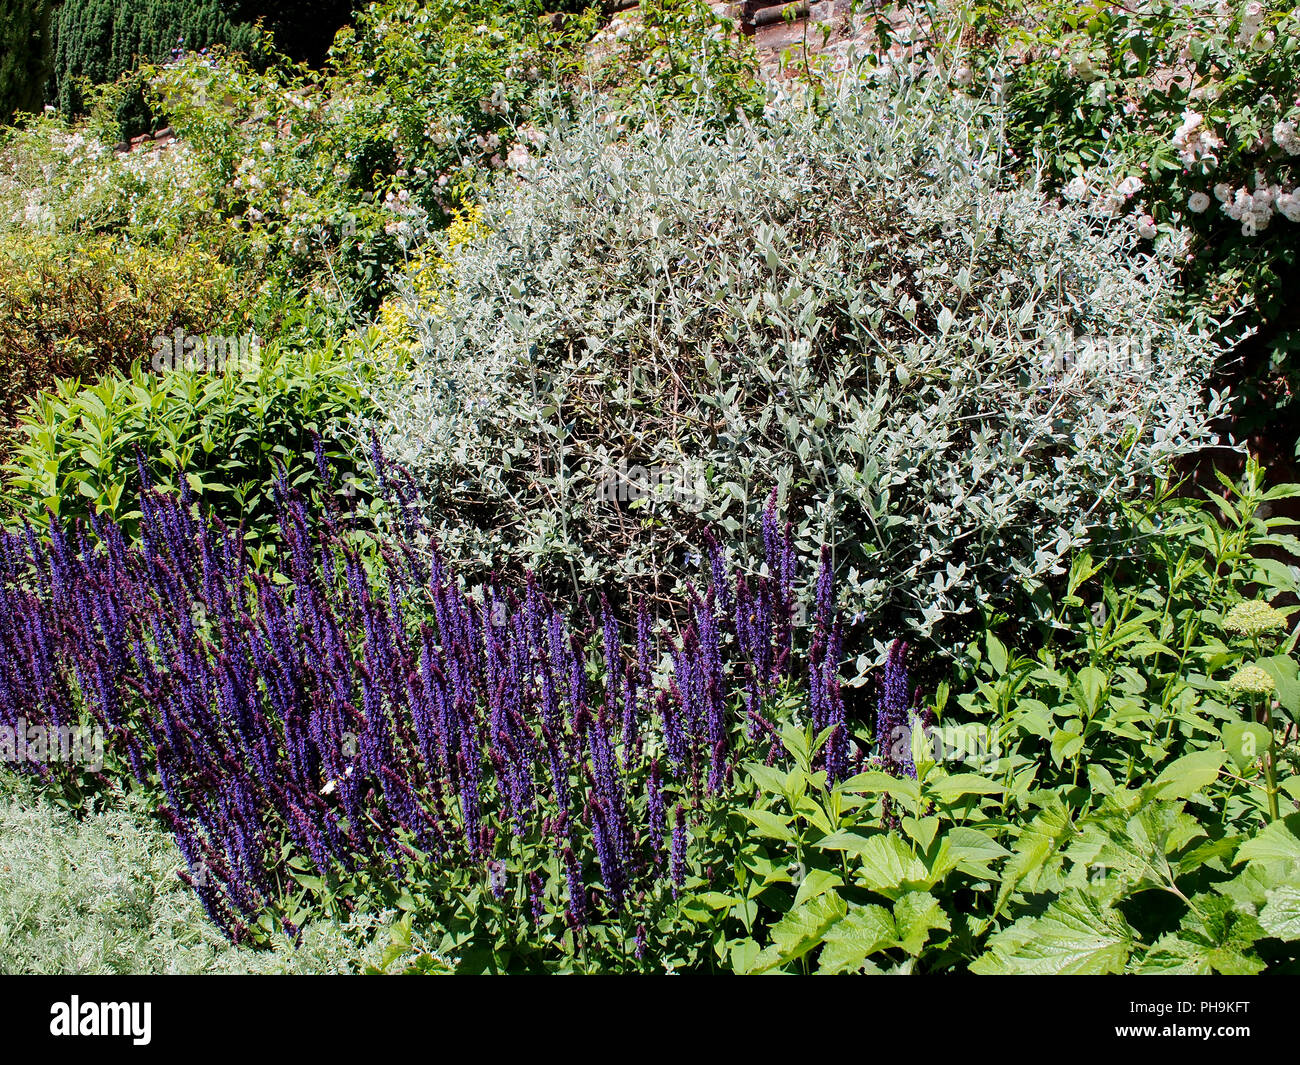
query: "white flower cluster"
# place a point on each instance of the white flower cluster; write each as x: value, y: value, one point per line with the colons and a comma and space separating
x: 1195, y: 141
x: 1248, y: 34
x: 1287, y: 137
x: 518, y: 158
x: 1112, y: 204
x: 1254, y: 210
x: 246, y: 175
x: 497, y: 103
x: 1082, y: 67
x: 411, y: 226
x: 620, y: 30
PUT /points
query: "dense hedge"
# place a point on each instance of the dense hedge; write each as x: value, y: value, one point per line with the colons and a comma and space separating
x: 25, y: 50
x: 101, y: 39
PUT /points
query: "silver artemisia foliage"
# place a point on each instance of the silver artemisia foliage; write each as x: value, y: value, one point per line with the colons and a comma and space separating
x: 97, y: 891
x: 948, y: 377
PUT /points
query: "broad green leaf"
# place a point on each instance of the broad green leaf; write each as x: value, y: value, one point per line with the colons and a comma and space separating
x: 1280, y: 840
x: 1214, y: 937
x: 946, y: 789
x: 887, y: 864
x: 864, y: 931
x: 817, y: 882
x: 1280, y: 916
x: 1067, y: 741
x: 1076, y: 935
x: 916, y: 915
x: 803, y: 928
x: 921, y: 830
x: 769, y: 824
x: 1035, y: 854
x: 972, y: 850
x: 1187, y: 775
x: 875, y: 782
x: 1245, y: 741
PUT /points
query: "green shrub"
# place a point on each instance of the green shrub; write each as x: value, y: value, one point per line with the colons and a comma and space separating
x: 948, y: 379
x: 25, y: 55
x: 226, y: 424
x: 453, y: 85
x: 1120, y: 800
x: 97, y: 308
x: 680, y: 50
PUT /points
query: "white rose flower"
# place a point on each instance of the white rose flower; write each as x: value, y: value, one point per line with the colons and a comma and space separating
x: 1197, y: 202
x: 1253, y: 222
x: 518, y: 158
x: 1146, y: 226
x: 1288, y: 205
x: 1076, y: 190
x: 1129, y: 186
x: 1287, y: 137
x: 1239, y: 206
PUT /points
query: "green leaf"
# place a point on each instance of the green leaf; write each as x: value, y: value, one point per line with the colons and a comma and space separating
x: 1280, y: 840
x: 744, y: 956
x: 916, y: 915
x: 1280, y: 916
x: 1214, y: 937
x: 769, y: 825
x: 946, y: 789
x: 921, y: 830
x: 768, y: 778
x: 1245, y: 741
x: 997, y: 653
x: 874, y: 782
x: 1077, y: 935
x: 817, y: 882
x: 1185, y: 776
x: 803, y: 928
x: 973, y: 849
x: 1282, y: 669
x: 1067, y: 741
x: 887, y: 864
x: 864, y: 931
x: 1035, y: 854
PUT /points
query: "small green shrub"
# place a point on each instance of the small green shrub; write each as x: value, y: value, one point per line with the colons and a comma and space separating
x: 228, y: 425
x: 1122, y: 799
x: 26, y: 52
x: 453, y: 85
x: 96, y: 308
x: 680, y: 50
x: 98, y: 40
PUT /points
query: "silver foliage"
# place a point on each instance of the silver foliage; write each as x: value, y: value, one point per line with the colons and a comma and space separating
x: 948, y: 378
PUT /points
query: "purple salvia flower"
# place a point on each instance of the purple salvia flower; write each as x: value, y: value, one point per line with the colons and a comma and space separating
x: 677, y: 858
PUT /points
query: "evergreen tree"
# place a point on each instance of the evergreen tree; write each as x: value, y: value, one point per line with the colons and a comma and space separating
x: 98, y: 40
x: 25, y: 55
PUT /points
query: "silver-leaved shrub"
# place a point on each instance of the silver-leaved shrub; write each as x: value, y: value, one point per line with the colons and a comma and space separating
x: 947, y: 378
x: 98, y: 891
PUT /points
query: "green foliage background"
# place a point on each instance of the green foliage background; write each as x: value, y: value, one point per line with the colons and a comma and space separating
x: 25, y: 54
